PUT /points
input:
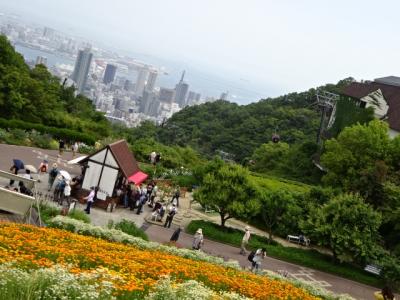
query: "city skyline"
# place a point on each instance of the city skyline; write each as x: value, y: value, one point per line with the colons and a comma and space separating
x: 273, y: 47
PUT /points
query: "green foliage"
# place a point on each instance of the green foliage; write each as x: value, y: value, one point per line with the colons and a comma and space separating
x: 357, y: 159
x: 51, y: 283
x: 227, y: 235
x: 289, y: 161
x: 53, y: 131
x: 391, y: 271
x: 275, y: 206
x: 235, y: 129
x: 187, y: 181
x: 79, y: 215
x: 37, y: 97
x: 348, y: 113
x: 47, y: 212
x: 346, y: 225
x: 171, y: 156
x: 269, y: 156
x: 229, y: 191
x: 130, y: 228
x: 303, y: 257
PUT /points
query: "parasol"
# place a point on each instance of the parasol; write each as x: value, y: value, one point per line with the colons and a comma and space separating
x: 31, y: 168
x: 65, y: 174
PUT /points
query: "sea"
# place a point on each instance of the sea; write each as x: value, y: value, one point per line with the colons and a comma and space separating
x: 200, y: 81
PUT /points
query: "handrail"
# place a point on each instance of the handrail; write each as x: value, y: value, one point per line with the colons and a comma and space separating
x: 29, y: 183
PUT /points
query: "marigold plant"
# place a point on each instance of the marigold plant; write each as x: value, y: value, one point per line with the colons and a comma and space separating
x: 137, y: 270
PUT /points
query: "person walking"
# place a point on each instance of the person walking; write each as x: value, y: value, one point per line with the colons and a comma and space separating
x: 245, y: 240
x: 61, y: 146
x: 90, y: 200
x: 198, y: 240
x: 170, y: 216
x: 74, y: 149
x: 257, y: 259
x: 175, y: 236
x: 52, y: 176
x: 176, y: 196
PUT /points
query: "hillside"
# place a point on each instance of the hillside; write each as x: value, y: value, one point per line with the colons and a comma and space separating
x: 237, y: 130
x: 34, y: 96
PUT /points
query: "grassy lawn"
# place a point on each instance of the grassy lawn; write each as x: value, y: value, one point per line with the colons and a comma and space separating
x: 276, y: 183
x: 304, y: 257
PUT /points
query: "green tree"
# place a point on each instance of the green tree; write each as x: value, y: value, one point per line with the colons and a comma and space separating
x: 348, y: 226
x: 269, y: 157
x: 274, y: 205
x: 227, y: 190
x: 357, y: 159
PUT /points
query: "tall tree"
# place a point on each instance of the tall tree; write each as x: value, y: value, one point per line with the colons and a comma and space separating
x: 274, y: 205
x: 348, y: 226
x: 357, y: 159
x: 226, y: 189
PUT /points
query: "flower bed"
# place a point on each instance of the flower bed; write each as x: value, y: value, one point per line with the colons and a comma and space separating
x: 133, y: 271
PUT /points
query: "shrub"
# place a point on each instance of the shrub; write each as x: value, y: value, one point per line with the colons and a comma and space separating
x: 130, y: 228
x: 305, y: 257
x: 79, y: 215
x: 53, y: 283
x: 65, y: 133
x: 40, y: 140
x: 47, y: 212
x: 226, y: 235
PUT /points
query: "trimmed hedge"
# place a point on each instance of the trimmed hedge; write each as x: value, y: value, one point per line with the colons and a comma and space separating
x: 54, y: 131
x: 304, y: 257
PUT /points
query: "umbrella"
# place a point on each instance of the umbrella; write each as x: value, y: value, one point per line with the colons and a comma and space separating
x: 65, y: 174
x: 31, y: 168
x: 18, y: 164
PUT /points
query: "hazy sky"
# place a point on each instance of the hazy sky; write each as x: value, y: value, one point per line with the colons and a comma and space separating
x: 288, y: 45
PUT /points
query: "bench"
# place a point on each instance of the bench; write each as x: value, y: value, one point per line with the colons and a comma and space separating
x: 296, y: 239
x: 374, y: 269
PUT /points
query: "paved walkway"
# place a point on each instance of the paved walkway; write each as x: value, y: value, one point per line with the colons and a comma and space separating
x: 186, y: 213
x: 336, y: 284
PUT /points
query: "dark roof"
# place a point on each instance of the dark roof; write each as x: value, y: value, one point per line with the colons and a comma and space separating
x: 124, y: 158
x: 391, y: 94
x: 389, y: 80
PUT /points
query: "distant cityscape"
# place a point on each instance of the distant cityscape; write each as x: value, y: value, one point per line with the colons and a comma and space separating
x: 125, y: 89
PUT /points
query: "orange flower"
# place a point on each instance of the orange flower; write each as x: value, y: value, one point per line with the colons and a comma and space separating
x: 138, y: 270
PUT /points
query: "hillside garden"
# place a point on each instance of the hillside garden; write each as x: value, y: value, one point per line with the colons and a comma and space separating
x: 225, y: 150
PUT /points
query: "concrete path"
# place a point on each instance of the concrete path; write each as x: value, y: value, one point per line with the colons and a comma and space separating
x: 336, y: 284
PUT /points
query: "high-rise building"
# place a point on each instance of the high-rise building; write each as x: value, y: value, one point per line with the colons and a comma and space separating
x: 41, y: 60
x: 149, y: 103
x: 192, y: 98
x: 128, y: 85
x: 81, y: 70
x: 151, y: 80
x: 141, y: 81
x: 181, y: 90
x: 109, y: 74
x: 224, y: 96
x: 166, y: 95
x: 48, y: 32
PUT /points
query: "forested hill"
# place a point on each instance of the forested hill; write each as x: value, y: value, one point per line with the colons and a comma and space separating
x: 239, y: 130
x: 35, y: 96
